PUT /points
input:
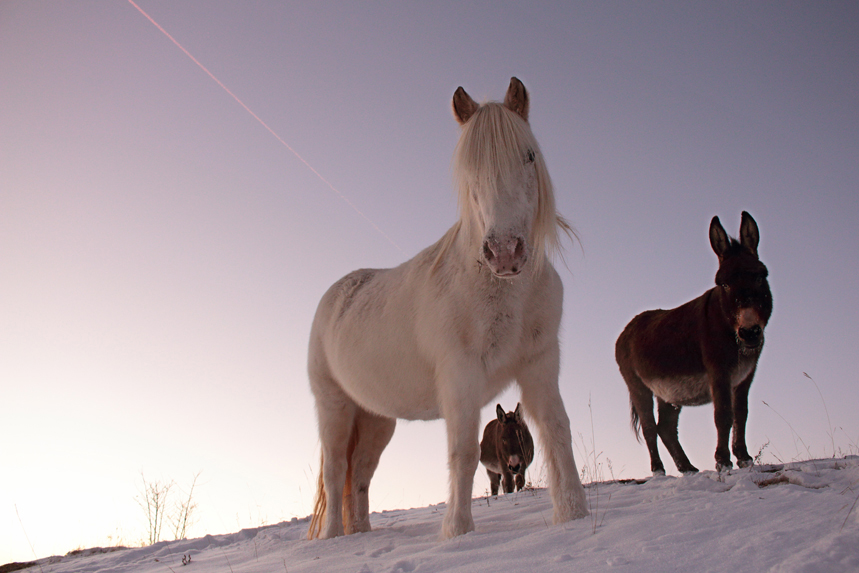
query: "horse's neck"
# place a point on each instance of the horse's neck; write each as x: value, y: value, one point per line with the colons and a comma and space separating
x: 476, y: 277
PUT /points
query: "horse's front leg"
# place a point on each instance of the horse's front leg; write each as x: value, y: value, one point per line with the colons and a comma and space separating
x: 542, y: 401
x: 459, y: 401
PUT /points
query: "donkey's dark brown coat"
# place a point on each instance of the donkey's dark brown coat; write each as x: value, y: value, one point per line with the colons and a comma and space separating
x: 704, y: 351
x: 506, y: 450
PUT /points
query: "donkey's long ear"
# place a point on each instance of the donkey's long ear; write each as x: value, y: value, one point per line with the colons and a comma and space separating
x: 749, y: 235
x: 463, y: 106
x: 499, y: 411
x: 517, y: 413
x: 517, y: 98
x: 718, y: 238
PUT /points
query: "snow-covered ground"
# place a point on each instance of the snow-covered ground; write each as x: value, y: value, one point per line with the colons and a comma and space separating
x: 797, y: 517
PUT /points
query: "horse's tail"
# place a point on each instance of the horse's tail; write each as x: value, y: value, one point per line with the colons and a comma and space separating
x: 634, y: 421
x: 320, y: 504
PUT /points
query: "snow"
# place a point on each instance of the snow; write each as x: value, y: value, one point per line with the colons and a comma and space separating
x: 796, y: 517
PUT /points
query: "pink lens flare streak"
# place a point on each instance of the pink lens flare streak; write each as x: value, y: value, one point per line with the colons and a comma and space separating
x: 261, y: 122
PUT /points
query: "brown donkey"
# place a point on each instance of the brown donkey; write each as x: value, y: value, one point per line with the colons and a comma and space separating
x: 704, y: 351
x: 507, y: 449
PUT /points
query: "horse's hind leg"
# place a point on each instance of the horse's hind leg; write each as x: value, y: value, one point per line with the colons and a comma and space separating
x: 669, y: 415
x: 373, y: 434
x: 336, y: 413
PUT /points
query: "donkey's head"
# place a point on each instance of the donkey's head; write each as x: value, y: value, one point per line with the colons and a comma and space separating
x: 512, y: 444
x: 505, y: 194
x: 742, y: 280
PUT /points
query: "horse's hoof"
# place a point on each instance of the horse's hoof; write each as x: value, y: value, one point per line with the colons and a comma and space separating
x: 452, y: 529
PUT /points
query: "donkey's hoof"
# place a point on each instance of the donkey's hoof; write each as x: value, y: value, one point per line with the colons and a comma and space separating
x: 659, y: 473
x: 687, y: 470
x: 746, y: 463
x: 724, y: 466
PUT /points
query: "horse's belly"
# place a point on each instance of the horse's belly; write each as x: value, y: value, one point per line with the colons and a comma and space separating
x: 682, y: 391
x: 395, y: 389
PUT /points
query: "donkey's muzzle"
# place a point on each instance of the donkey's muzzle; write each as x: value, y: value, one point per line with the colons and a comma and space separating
x: 751, y: 337
x: 514, y: 468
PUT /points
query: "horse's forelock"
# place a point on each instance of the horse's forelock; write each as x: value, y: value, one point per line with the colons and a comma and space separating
x: 493, y: 143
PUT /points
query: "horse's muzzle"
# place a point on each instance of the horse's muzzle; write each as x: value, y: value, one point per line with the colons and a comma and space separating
x: 505, y: 258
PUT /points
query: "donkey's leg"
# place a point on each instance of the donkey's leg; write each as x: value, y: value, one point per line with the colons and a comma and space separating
x: 520, y: 481
x: 669, y: 416
x: 542, y: 401
x: 494, y: 481
x: 641, y: 402
x: 374, y: 433
x: 336, y: 413
x: 509, y: 484
x: 723, y: 413
x: 741, y: 414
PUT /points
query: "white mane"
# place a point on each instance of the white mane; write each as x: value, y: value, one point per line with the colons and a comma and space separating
x: 495, y: 141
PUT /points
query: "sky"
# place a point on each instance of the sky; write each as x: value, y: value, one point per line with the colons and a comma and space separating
x: 162, y: 252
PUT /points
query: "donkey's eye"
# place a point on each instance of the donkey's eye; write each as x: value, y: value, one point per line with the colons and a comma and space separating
x: 726, y: 286
x: 529, y: 158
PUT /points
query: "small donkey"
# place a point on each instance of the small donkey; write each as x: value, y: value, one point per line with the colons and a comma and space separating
x: 507, y: 449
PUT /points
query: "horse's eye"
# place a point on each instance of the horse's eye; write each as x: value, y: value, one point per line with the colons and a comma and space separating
x: 531, y: 156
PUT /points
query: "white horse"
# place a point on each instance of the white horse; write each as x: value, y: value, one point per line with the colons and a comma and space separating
x: 443, y: 334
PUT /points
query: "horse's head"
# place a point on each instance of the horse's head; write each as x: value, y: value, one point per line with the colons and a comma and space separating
x: 505, y: 194
x: 512, y: 444
x: 742, y: 280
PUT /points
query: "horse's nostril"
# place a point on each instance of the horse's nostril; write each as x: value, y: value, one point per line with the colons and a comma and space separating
x: 488, y: 253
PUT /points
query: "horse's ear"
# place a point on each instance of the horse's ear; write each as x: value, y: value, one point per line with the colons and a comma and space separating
x: 517, y: 413
x: 463, y: 106
x: 718, y: 238
x: 517, y: 98
x: 499, y: 411
x: 749, y: 235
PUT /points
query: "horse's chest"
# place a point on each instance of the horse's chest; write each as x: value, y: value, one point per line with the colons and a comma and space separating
x: 500, y: 338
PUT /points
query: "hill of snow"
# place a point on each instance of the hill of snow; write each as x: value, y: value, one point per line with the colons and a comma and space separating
x: 794, y: 517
